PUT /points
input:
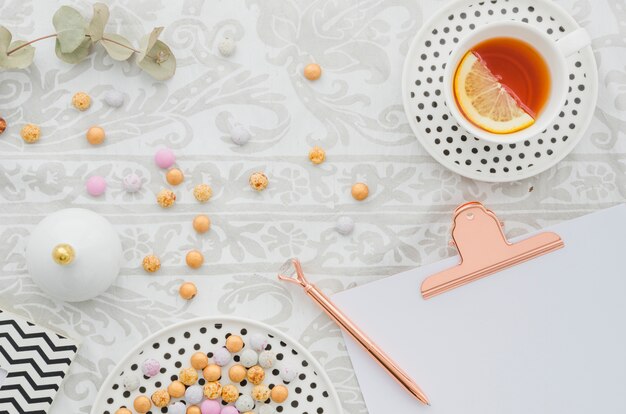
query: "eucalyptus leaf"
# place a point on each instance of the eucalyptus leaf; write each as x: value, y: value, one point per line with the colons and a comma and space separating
x: 116, y: 51
x: 100, y: 17
x: 77, y: 55
x: 148, y: 42
x: 17, y: 60
x: 159, y: 62
x: 70, y: 27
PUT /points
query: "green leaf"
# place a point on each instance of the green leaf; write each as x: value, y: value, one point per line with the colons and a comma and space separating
x: 114, y: 50
x: 159, y: 62
x: 16, y: 60
x: 98, y: 21
x: 70, y: 27
x: 148, y: 42
x: 77, y: 55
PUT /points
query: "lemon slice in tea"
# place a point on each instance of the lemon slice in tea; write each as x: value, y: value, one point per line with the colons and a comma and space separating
x: 484, y: 101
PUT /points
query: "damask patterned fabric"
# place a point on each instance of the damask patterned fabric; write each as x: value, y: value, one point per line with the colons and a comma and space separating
x: 354, y: 111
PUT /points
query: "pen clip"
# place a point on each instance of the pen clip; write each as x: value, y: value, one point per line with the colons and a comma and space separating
x: 291, y: 271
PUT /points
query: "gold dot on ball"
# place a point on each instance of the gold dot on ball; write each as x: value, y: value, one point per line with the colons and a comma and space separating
x: 151, y: 263
x: 30, y: 133
x: 360, y: 191
x: 174, y: 176
x: 312, y: 71
x: 160, y: 398
x: 63, y: 254
x: 201, y: 223
x: 142, y: 404
x: 258, y: 181
x: 317, y: 155
x: 166, y: 198
x: 188, y: 291
x: 194, y: 259
x: 202, y: 192
x: 81, y: 101
x: 95, y: 135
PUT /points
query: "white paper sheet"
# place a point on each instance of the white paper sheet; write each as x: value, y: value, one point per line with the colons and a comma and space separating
x: 546, y: 336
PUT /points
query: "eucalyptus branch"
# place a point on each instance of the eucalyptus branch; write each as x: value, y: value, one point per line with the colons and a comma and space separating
x: 122, y: 45
x: 15, y: 49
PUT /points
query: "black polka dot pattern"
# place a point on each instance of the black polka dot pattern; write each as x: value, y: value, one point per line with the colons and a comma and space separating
x: 308, y: 393
x: 447, y: 141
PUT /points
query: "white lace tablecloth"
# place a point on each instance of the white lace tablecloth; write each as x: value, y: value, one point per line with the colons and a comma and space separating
x: 354, y: 111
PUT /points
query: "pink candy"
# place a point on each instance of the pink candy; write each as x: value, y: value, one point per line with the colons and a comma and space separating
x: 229, y: 409
x: 150, y: 367
x: 210, y: 407
x: 96, y: 185
x: 164, y: 158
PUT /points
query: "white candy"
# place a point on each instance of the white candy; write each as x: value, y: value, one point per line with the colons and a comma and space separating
x: 114, y: 98
x: 132, y: 183
x: 288, y: 373
x: 131, y: 382
x: 239, y: 135
x: 267, y: 359
x: 226, y: 47
x: 194, y: 394
x: 266, y: 409
x: 248, y: 358
x: 258, y: 342
x: 177, y: 408
x: 344, y: 225
x: 244, y: 403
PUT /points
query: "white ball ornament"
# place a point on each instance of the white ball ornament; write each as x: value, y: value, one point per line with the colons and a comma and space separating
x: 114, y: 98
x: 239, y: 135
x: 344, y: 225
x: 226, y: 47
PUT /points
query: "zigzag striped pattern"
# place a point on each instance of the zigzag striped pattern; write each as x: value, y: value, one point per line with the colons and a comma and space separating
x: 36, y: 361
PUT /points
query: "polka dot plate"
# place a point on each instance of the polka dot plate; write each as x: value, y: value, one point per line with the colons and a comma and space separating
x: 448, y: 142
x: 310, y: 393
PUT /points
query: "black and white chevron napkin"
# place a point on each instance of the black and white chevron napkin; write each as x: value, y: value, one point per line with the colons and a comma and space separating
x: 33, y: 362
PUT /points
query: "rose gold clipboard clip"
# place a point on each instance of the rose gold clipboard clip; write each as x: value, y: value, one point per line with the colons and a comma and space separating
x: 484, y: 250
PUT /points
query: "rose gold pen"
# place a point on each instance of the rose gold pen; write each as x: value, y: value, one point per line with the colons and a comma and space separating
x: 291, y: 271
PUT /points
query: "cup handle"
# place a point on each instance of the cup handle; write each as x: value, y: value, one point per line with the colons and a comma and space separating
x: 573, y: 42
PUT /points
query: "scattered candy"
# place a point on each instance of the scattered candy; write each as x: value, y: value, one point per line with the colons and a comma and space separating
x: 201, y: 223
x: 81, y: 101
x: 260, y: 392
x: 131, y: 382
x: 3, y: 125
x: 114, y: 98
x: 239, y: 135
x: 30, y: 133
x: 150, y: 367
x: 212, y: 372
x: 266, y: 409
x: 244, y: 403
x: 248, y: 358
x: 210, y: 407
x: 258, y: 342
x: 279, y: 393
x: 234, y: 343
x: 237, y: 373
x: 142, y: 404
x: 344, y: 225
x: 258, y: 181
x: 166, y: 198
x: 230, y: 393
x: 151, y: 263
x: 177, y: 408
x: 194, y: 259
x: 222, y: 357
x: 176, y: 389
x: 194, y: 394
x: 174, y: 176
x: 267, y: 359
x: 256, y: 375
x: 188, y: 291
x: 123, y: 410
x: 96, y: 185
x: 199, y: 360
x: 317, y: 155
x: 95, y: 135
x: 212, y: 390
x: 360, y: 191
x: 288, y: 373
x: 193, y: 409
x: 229, y: 409
x: 188, y: 376
x: 202, y: 192
x: 312, y: 71
x: 226, y: 47
x: 132, y: 183
x: 164, y: 158
x: 160, y: 398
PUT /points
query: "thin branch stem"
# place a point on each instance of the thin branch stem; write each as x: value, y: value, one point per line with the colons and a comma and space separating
x: 28, y: 43
x: 120, y: 44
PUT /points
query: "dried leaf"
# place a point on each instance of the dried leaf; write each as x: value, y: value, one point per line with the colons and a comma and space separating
x: 100, y: 17
x: 117, y: 52
x: 17, y: 60
x: 77, y: 55
x: 70, y: 27
x: 148, y: 42
x: 156, y: 58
